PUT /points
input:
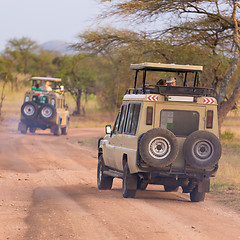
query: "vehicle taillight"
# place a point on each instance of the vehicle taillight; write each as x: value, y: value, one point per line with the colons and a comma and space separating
x: 149, y: 115
x: 209, y: 119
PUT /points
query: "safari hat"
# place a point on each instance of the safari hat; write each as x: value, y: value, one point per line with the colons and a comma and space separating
x: 170, y: 80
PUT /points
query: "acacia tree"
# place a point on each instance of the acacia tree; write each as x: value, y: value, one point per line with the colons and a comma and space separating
x: 20, y: 54
x: 211, y: 24
x: 77, y: 77
x: 117, y: 49
x: 114, y: 50
x: 21, y: 51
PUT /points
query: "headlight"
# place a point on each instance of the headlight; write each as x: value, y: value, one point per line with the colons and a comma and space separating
x: 26, y: 99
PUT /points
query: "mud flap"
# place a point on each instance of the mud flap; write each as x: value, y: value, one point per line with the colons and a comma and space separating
x: 204, y: 186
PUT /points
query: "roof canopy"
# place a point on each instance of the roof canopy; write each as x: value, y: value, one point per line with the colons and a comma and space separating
x: 166, y: 67
x: 46, y: 79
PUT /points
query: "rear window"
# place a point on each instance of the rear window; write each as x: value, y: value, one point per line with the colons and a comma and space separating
x: 40, y: 99
x: 181, y: 123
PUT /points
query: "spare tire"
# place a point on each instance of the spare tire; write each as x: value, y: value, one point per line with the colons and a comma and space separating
x: 158, y: 147
x: 202, y: 149
x: 29, y: 110
x: 47, y: 112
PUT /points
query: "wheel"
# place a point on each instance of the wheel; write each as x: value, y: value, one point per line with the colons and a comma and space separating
x: 29, y: 110
x: 104, y: 182
x: 57, y: 130
x: 196, y: 196
x: 202, y: 149
x: 158, y: 147
x: 64, y: 130
x: 129, y: 183
x: 32, y: 129
x: 22, y: 127
x: 142, y: 185
x: 170, y: 189
x: 47, y: 112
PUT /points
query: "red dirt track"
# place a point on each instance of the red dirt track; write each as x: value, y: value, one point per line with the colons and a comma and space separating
x: 48, y: 191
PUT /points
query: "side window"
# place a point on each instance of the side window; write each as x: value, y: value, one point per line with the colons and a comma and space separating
x: 132, y: 118
x: 122, y: 118
x: 58, y: 103
x: 129, y: 118
x: 135, y: 118
x: 115, y: 127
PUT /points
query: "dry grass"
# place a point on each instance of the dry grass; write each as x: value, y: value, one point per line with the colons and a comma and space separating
x: 226, y: 185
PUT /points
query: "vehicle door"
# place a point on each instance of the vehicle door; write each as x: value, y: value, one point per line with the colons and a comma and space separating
x: 126, y: 141
x: 109, y: 145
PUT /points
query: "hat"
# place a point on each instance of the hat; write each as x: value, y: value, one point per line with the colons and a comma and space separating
x: 170, y: 80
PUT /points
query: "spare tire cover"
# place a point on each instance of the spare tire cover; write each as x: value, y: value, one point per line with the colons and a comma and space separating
x: 29, y: 110
x: 47, y: 112
x: 202, y: 149
x: 158, y: 147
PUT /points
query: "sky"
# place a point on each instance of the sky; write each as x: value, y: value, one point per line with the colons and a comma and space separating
x: 46, y: 20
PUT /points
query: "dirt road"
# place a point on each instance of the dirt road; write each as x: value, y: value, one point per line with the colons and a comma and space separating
x: 48, y: 191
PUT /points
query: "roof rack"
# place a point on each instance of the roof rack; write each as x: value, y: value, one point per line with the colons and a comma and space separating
x: 176, y: 91
x: 47, y: 79
x: 166, y: 67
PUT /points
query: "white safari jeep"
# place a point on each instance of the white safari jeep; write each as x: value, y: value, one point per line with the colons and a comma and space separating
x: 44, y: 107
x: 163, y: 134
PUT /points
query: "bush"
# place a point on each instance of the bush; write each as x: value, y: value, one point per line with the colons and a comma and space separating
x: 227, y: 135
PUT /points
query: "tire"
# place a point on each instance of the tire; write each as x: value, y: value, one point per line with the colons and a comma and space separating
x: 29, y: 110
x: 196, y: 196
x: 202, y: 149
x: 99, y: 141
x: 47, y: 112
x: 129, y: 183
x: 142, y: 185
x: 57, y: 130
x: 22, y: 127
x: 32, y: 129
x: 158, y: 147
x: 65, y: 129
x: 171, y: 189
x: 104, y: 182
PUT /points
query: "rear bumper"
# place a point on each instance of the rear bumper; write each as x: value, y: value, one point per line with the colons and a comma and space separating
x: 38, y: 123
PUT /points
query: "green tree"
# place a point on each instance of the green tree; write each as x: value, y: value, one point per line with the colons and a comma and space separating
x: 77, y: 76
x: 117, y: 49
x: 21, y: 51
x: 5, y: 76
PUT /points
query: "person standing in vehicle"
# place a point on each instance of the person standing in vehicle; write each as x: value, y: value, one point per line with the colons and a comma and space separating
x: 46, y: 86
x: 171, y: 81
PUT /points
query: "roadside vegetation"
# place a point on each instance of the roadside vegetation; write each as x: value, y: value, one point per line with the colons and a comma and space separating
x: 97, y: 75
x: 226, y: 185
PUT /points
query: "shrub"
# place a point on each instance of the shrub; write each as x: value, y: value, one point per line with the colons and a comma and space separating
x: 227, y: 135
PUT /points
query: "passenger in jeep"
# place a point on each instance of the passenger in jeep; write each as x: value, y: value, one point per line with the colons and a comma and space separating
x: 46, y: 87
x: 171, y: 81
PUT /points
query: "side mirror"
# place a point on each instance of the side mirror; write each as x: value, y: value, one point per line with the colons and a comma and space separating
x: 108, y: 129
